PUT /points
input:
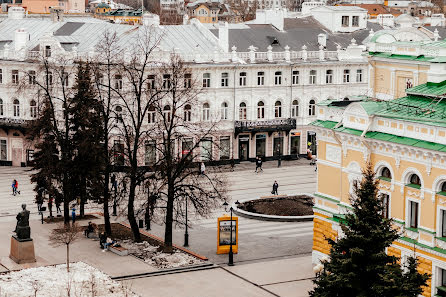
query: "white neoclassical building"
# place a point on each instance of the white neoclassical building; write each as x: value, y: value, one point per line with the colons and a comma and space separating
x: 262, y: 83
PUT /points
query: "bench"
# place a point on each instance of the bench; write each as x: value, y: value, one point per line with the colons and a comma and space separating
x: 119, y: 250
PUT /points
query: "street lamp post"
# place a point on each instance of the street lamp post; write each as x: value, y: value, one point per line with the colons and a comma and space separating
x: 231, y: 253
x: 186, y: 234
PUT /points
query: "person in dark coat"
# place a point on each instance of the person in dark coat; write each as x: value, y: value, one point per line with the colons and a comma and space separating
x: 275, y: 188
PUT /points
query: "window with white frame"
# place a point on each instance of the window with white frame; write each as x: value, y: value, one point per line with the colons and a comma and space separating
x: 278, y: 78
x: 225, y: 79
x: 167, y: 113
x: 355, y: 21
x: 33, y: 109
x: 49, y: 78
x: 346, y: 75
x: 16, y: 107
x: 225, y: 147
x: 224, y: 111
x: 65, y: 79
x: 359, y: 75
x: 345, y: 21
x: 150, y: 154
x: 118, y: 113
x: 47, y: 51
x: 312, y: 108
x: 151, y: 81
x: 329, y: 77
x: 187, y: 113
x: 167, y: 82
x: 278, y: 109
x: 242, y: 79
x: 260, y: 110
x: 385, y: 198
x: 414, y: 181
x: 441, y: 288
x: 260, y: 78
x: 442, y: 223
x: 1, y: 107
x: 151, y: 114
x: 413, y: 214
x: 3, y: 151
x: 206, y: 149
x: 295, y: 109
x: 118, y: 82
x: 32, y: 77
x: 295, y: 78
x: 242, y: 111
x: 187, y: 80
x: 312, y: 77
x: 206, y: 112
x: 1, y: 76
x: 206, y: 80
x: 385, y: 172
x: 15, y: 77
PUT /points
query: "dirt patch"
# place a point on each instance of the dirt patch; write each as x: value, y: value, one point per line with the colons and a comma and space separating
x: 300, y: 205
x: 60, y: 219
x: 121, y: 232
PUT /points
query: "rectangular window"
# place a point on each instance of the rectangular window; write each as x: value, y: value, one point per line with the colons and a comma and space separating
x: 118, y: 82
x: 441, y: 289
x: 386, y: 201
x: 345, y: 21
x: 118, y: 153
x: 186, y: 147
x: 188, y: 80
x: 225, y: 145
x: 15, y: 77
x: 206, y: 149
x: 295, y: 77
x: 278, y: 78
x: 47, y: 51
x: 359, y: 75
x: 443, y: 223
x: 1, y: 76
x: 167, y: 83
x: 32, y: 77
x: 206, y: 80
x: 242, y: 80
x: 224, y: 79
x: 312, y: 77
x: 355, y: 21
x: 260, y: 78
x: 329, y: 77
x: 3, y: 152
x: 413, y: 214
x: 150, y: 156
x: 65, y: 79
x: 346, y: 76
x: 151, y: 81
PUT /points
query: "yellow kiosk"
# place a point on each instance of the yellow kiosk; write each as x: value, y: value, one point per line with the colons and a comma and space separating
x: 224, y: 234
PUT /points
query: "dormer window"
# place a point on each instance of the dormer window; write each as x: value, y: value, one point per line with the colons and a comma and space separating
x: 275, y: 41
x: 47, y: 51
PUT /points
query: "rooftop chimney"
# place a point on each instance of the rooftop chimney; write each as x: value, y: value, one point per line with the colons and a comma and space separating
x: 56, y: 14
x: 322, y: 39
x: 223, y: 36
x: 20, y: 39
x: 16, y: 13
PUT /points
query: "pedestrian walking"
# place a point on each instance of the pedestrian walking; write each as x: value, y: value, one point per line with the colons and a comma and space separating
x: 17, y: 187
x: 114, y: 183
x: 14, y: 189
x: 275, y: 188
x: 50, y: 206
x: 202, y: 168
x: 232, y: 164
x: 258, y: 164
x: 58, y: 210
x: 39, y: 199
x: 73, y: 214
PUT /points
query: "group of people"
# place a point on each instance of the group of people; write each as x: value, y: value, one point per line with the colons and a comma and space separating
x: 15, y: 187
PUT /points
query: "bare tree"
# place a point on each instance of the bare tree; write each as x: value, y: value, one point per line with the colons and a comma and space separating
x: 174, y: 125
x: 244, y: 10
x: 65, y: 234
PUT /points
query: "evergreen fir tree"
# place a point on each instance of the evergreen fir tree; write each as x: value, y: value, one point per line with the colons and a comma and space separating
x: 358, y: 264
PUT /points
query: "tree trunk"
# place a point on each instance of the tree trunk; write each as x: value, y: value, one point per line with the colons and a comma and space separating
x: 131, y: 210
x: 68, y: 258
x: 108, y: 230
x: 168, y: 248
x: 66, y: 199
x: 83, y: 197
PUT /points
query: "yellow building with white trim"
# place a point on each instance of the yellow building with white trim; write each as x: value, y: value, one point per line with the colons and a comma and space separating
x: 405, y: 140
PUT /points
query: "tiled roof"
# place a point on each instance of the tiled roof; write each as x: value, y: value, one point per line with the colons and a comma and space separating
x: 371, y: 8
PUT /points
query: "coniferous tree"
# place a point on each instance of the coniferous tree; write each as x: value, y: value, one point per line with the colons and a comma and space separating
x: 358, y: 264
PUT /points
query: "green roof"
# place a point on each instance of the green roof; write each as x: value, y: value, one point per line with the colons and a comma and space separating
x: 420, y: 58
x: 428, y: 89
x: 372, y: 107
x: 383, y: 136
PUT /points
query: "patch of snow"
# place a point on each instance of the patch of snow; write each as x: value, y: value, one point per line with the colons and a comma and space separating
x: 83, y: 280
x: 151, y: 256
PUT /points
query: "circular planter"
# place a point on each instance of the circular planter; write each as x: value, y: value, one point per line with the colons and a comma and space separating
x: 266, y: 217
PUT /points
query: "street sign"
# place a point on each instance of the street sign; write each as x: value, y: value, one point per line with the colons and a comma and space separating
x: 224, y: 234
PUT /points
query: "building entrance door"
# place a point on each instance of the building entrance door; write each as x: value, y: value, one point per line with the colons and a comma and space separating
x: 243, y: 148
x: 295, y: 143
x: 260, y: 145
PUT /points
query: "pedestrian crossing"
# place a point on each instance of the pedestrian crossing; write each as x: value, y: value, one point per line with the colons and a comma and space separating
x: 253, y: 227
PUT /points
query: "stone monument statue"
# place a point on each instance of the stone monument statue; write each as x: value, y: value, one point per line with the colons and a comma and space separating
x: 22, y: 229
x: 22, y: 246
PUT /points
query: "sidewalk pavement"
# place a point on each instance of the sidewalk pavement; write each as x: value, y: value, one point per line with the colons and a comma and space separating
x: 289, y: 277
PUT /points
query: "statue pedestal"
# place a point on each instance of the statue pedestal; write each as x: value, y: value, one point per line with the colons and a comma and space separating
x: 22, y: 250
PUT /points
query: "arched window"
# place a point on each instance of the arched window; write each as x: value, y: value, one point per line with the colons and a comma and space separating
x: 278, y: 109
x: 16, y: 106
x: 33, y: 108
x: 206, y: 112
x: 167, y: 113
x: 151, y: 114
x: 1, y: 107
x: 260, y: 110
x: 295, y: 109
x: 312, y: 108
x: 415, y: 180
x: 187, y: 113
x: 242, y: 111
x: 385, y: 172
x: 443, y: 187
x: 118, y: 112
x: 224, y: 111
